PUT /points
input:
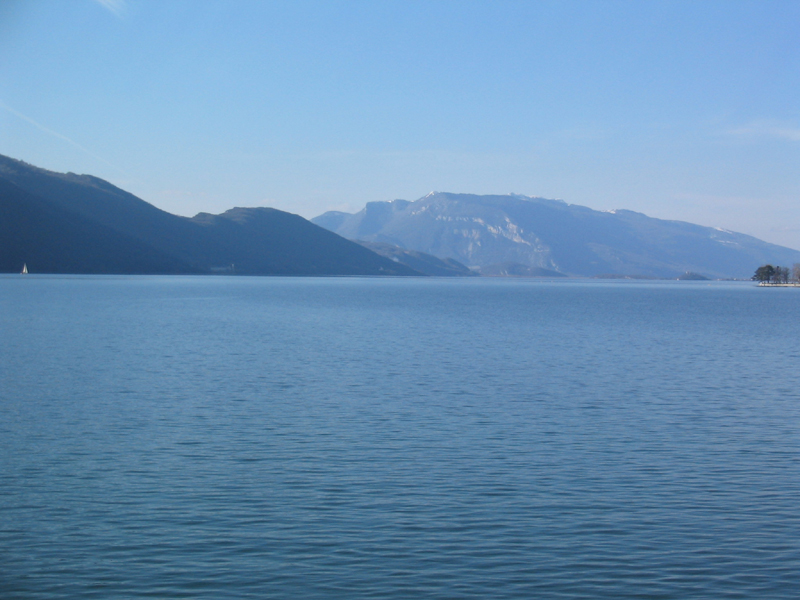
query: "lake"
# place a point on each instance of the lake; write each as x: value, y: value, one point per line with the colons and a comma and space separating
x: 234, y: 437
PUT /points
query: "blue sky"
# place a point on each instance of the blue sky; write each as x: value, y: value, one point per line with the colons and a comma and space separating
x: 680, y: 110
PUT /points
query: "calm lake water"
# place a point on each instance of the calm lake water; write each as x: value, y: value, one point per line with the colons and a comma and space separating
x: 212, y: 437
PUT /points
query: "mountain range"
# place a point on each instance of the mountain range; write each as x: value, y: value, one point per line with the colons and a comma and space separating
x: 68, y: 223
x: 513, y: 234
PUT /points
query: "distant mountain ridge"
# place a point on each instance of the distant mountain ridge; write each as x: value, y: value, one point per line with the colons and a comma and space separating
x: 68, y: 223
x: 490, y: 231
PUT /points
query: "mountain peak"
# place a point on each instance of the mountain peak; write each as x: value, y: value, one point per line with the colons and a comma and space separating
x: 539, y: 233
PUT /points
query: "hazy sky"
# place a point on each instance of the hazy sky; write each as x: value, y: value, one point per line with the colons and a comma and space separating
x: 681, y: 110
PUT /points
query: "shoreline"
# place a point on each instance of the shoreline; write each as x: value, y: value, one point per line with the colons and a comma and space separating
x: 767, y: 284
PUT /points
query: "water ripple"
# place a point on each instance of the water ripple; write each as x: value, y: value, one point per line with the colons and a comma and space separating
x: 352, y: 438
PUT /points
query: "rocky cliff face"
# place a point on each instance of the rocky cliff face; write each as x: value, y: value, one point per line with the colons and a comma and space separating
x: 484, y: 231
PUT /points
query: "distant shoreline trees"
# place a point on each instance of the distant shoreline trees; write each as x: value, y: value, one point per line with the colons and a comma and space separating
x: 767, y: 274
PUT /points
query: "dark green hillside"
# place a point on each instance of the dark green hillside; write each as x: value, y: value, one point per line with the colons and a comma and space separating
x: 107, y: 205
x: 266, y: 240
x: 52, y: 240
x: 67, y: 223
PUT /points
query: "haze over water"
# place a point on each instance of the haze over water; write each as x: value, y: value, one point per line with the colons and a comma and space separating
x: 213, y: 437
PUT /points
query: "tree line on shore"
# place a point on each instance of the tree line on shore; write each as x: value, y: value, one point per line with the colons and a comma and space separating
x: 770, y: 274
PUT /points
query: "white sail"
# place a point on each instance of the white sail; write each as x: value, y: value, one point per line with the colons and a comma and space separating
x: 24, y: 269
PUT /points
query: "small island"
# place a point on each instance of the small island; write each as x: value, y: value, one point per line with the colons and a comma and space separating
x: 767, y: 275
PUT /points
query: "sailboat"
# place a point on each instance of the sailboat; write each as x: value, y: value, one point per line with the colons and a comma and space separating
x: 24, y: 269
